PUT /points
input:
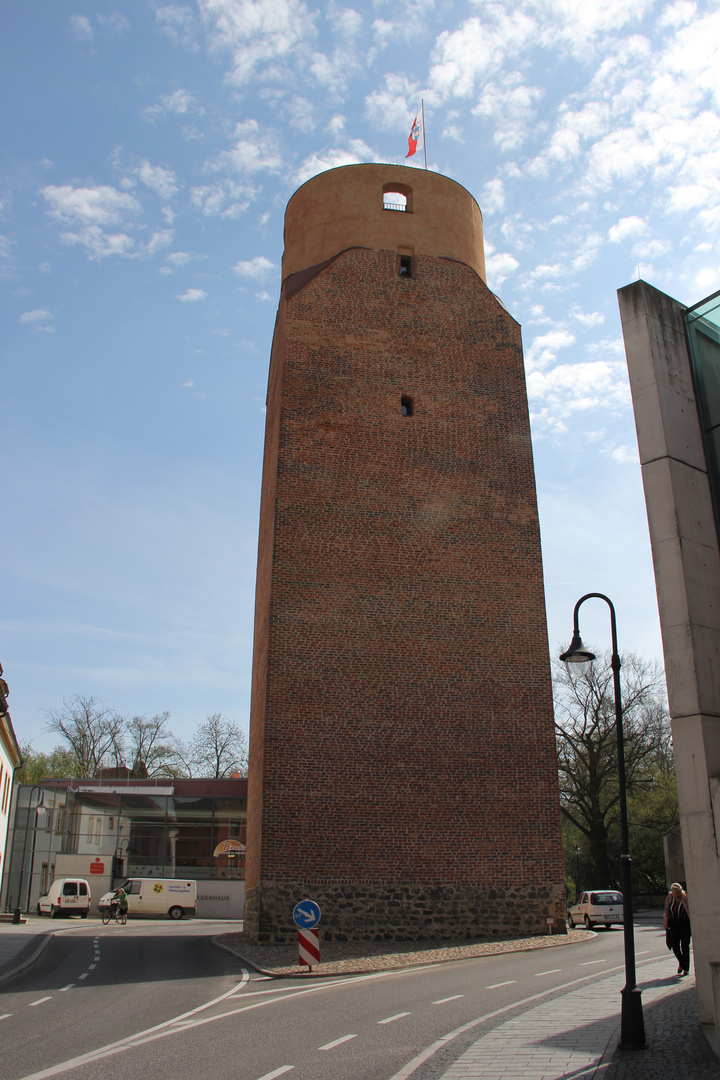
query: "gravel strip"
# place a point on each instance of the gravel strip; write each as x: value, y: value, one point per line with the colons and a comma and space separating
x: 357, y: 957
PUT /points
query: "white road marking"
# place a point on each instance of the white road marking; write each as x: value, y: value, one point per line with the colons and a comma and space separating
x: 262, y: 978
x: 68, y: 987
x: 443, y: 1000
x: 83, y: 976
x: 337, y: 1042
x: 389, y: 1019
x: 5, y: 1016
x: 38, y: 1002
x: 495, y: 985
x: 277, y: 1072
x: 553, y: 971
x: 92, y: 967
x: 644, y: 951
x: 587, y: 963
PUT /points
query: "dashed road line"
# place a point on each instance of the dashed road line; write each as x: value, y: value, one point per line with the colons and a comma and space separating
x: 389, y: 1019
x: 39, y: 1001
x: 83, y: 976
x: 5, y: 1016
x: 68, y: 987
x: 91, y: 967
x: 495, y: 985
x: 553, y: 971
x: 587, y: 963
x: 337, y: 1042
x: 277, y: 1072
x: 443, y: 1000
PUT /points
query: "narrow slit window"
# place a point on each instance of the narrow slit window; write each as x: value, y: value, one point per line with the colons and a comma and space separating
x: 405, y: 266
x: 406, y: 406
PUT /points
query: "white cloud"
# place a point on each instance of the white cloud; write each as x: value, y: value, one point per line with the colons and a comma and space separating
x: 332, y: 159
x: 263, y: 296
x: 162, y: 181
x: 180, y: 103
x: 499, y: 267
x: 625, y: 455
x: 478, y: 48
x: 589, y: 319
x: 115, y: 22
x: 80, y: 28
x: 178, y: 24
x: 100, y: 205
x: 544, y: 348
x: 224, y: 199
x: 191, y: 296
x: 255, y: 150
x: 512, y: 107
x: 625, y: 227
x: 39, y: 315
x: 256, y: 267
x: 257, y: 33
x: 569, y: 389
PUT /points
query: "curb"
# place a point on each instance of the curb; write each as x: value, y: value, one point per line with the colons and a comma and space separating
x: 376, y: 971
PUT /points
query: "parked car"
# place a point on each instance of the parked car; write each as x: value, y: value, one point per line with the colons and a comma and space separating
x: 602, y: 907
x: 66, y: 896
x: 157, y: 896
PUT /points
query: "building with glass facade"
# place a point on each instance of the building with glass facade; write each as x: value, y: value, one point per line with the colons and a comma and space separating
x: 110, y: 829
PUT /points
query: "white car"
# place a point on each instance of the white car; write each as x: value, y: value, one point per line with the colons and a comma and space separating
x: 66, y: 896
x: 602, y: 907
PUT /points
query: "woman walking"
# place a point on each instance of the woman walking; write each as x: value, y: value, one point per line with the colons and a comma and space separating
x: 677, y: 926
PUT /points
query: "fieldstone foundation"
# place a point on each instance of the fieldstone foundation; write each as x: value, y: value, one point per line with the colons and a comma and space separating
x: 404, y: 913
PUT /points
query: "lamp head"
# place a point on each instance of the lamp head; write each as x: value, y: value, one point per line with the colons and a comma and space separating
x: 577, y: 657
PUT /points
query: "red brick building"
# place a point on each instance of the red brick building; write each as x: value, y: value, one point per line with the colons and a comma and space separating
x: 402, y: 757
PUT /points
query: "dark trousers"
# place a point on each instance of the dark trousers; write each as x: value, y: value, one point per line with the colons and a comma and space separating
x: 680, y: 940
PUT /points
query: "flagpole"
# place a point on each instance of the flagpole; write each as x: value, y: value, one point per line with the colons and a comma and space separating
x: 422, y: 107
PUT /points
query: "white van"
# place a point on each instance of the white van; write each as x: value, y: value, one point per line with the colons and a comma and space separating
x: 66, y: 896
x: 173, y: 897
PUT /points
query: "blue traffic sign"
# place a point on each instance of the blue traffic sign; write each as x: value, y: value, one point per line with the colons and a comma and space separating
x: 306, y: 914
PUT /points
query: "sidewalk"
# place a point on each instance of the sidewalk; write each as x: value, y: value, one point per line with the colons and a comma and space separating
x: 576, y: 1034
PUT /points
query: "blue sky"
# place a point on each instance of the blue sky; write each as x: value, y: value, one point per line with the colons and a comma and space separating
x: 148, y: 153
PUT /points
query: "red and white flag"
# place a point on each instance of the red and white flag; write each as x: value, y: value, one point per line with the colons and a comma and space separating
x: 416, y: 137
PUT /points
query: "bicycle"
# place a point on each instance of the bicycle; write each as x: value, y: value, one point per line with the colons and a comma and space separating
x: 113, y: 913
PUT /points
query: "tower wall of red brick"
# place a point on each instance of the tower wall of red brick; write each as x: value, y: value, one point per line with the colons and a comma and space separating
x: 402, y: 758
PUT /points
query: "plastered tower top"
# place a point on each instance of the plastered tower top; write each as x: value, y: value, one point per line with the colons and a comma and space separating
x: 344, y: 208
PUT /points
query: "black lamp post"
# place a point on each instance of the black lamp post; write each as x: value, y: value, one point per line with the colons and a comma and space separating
x: 577, y: 873
x: 632, y: 1025
x: 39, y: 809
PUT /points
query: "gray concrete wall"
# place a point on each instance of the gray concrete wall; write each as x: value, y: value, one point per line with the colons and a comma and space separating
x: 687, y: 577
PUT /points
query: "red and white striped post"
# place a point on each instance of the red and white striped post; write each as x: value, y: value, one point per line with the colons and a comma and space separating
x: 309, y: 947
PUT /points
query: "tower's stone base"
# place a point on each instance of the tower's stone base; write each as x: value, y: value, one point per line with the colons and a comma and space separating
x: 403, y: 912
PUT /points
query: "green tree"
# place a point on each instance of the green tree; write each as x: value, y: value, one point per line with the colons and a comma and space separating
x: 587, y: 758
x: 59, y: 764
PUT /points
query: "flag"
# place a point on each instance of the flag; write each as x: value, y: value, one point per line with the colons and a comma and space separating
x: 417, y: 135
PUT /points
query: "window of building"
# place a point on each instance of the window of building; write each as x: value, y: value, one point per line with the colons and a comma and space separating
x: 397, y: 197
x: 405, y: 266
x: 406, y: 406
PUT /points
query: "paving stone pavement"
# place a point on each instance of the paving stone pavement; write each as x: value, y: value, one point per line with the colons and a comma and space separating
x: 574, y: 1037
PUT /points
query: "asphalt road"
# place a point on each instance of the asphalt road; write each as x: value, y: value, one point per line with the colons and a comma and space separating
x: 159, y: 1000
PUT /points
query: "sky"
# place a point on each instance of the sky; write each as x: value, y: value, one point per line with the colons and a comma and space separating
x: 147, y: 154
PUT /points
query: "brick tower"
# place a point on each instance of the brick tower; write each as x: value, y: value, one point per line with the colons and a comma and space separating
x: 402, y: 757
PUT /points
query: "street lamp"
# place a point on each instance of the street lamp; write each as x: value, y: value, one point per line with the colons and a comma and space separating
x: 577, y: 873
x: 39, y: 810
x: 632, y: 1025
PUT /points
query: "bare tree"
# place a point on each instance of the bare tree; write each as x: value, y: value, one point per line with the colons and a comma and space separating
x: 92, y: 731
x: 150, y: 747
x: 587, y: 747
x: 218, y: 748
